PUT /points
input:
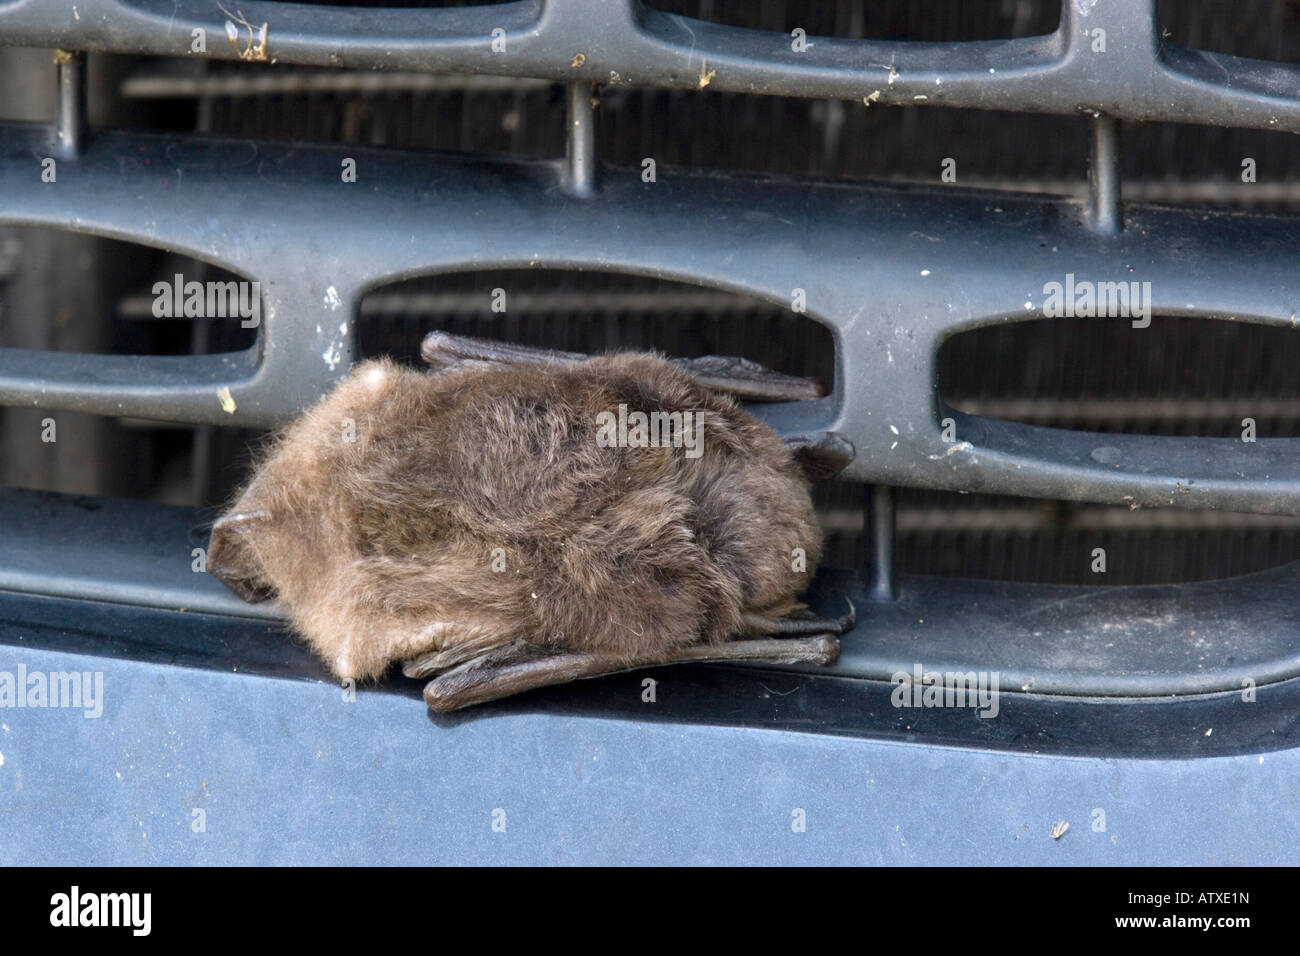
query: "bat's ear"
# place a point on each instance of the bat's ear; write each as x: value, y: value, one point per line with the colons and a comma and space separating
x: 822, y: 455
x: 232, y: 562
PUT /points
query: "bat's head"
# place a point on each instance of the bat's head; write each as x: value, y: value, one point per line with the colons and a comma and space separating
x: 280, y: 534
x: 232, y: 557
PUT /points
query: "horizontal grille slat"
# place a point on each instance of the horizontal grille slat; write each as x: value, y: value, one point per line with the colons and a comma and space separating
x: 1139, y: 77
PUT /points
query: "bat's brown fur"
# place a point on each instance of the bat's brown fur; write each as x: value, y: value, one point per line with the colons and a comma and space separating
x: 382, y: 548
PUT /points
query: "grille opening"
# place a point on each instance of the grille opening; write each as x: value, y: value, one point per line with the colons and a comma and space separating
x: 1014, y: 539
x: 67, y: 292
x: 1207, y: 166
x: 64, y: 292
x: 400, y: 109
x: 524, y: 118
x: 1003, y: 538
x: 194, y: 466
x: 1260, y: 29
x: 593, y: 312
x: 925, y: 20
x: 837, y: 139
x: 1180, y: 376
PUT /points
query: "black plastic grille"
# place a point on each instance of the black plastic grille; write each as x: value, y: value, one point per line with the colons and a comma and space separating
x: 1028, y: 98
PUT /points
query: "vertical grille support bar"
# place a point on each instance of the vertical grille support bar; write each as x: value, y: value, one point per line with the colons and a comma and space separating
x: 1106, y: 214
x: 580, y: 177
x: 70, y: 127
x: 882, y: 584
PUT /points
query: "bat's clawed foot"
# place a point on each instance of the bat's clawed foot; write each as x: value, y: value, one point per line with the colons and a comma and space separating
x: 791, y: 626
x: 426, y: 665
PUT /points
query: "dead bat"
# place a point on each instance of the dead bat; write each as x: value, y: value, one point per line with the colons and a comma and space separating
x: 487, y: 521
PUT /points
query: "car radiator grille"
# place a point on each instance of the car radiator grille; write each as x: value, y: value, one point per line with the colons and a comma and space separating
x: 504, y: 146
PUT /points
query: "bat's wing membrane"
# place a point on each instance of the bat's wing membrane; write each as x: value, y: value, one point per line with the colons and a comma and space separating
x: 518, y: 666
x: 749, y: 380
x: 480, y: 681
x: 723, y: 373
x: 444, y: 351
